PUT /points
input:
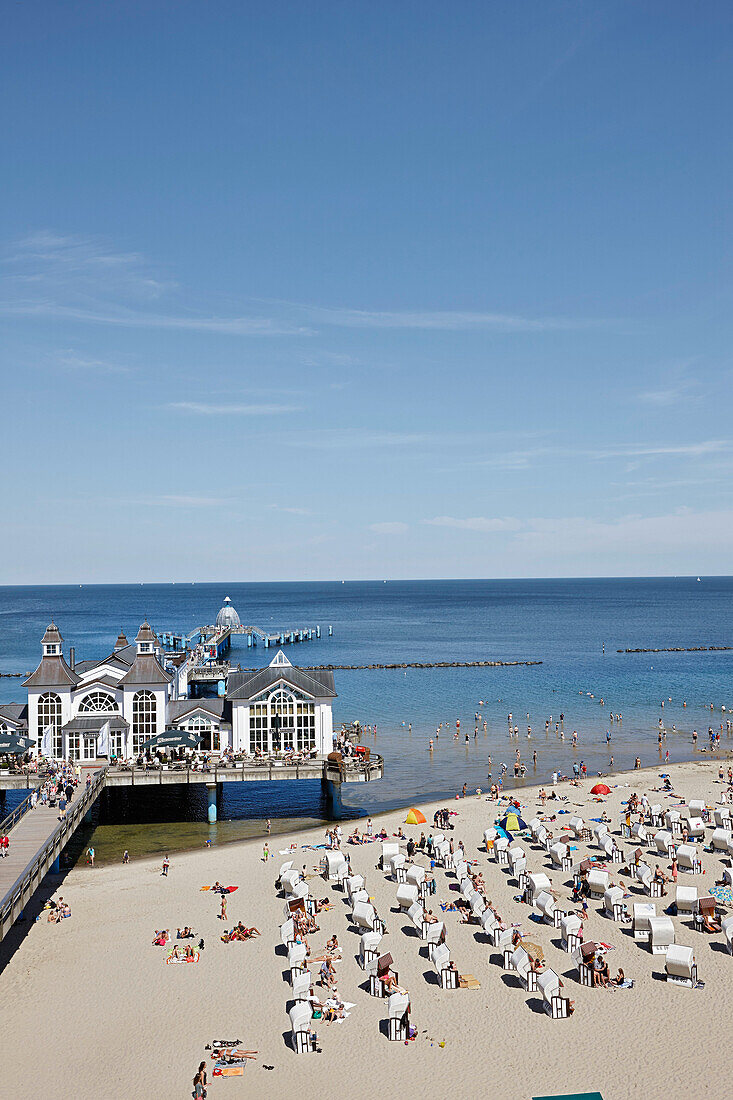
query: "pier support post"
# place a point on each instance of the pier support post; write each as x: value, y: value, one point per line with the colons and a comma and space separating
x: 88, y: 816
x: 55, y: 868
x: 211, y: 792
x: 332, y: 796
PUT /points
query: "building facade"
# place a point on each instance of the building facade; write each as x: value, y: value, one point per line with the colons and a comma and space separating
x: 128, y: 696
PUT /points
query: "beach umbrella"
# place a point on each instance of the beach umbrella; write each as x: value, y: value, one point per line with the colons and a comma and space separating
x: 14, y: 744
x: 513, y: 822
x: 414, y: 817
x: 501, y: 831
x: 600, y: 788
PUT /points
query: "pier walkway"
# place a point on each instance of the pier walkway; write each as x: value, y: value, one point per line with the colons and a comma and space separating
x: 37, y: 838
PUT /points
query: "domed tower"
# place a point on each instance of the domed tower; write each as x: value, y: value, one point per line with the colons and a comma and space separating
x: 228, y: 617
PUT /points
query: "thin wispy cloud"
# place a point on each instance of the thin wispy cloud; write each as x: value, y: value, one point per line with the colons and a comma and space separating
x: 232, y: 409
x: 448, y: 320
x: 336, y: 439
x: 73, y: 362
x: 485, y: 524
x: 291, y: 511
x: 394, y: 527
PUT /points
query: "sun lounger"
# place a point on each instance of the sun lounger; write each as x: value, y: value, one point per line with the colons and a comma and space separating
x: 397, y: 1006
x: 661, y: 934
x: 369, y: 948
x: 296, y: 960
x: 300, y: 1024
x: 570, y: 931
x: 680, y: 965
x: 642, y: 913
x: 555, y: 1004
x: 560, y: 856
x: 447, y: 974
x: 726, y: 928
x: 598, y: 882
x: 688, y: 859
x: 302, y: 985
x: 613, y: 902
x: 522, y: 964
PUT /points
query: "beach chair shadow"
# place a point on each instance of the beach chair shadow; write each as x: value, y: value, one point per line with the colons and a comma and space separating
x: 535, y: 1004
x: 720, y: 947
x: 423, y: 952
x: 512, y: 981
x: 431, y: 977
x: 285, y: 975
x: 281, y: 949
x: 384, y: 1028
x: 365, y: 986
x: 658, y: 977
x: 496, y: 960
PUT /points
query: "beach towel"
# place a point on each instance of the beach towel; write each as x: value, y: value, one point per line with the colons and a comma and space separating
x: 228, y: 1071
x: 222, y: 889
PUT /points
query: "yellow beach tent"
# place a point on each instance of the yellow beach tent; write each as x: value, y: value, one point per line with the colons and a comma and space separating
x: 414, y: 817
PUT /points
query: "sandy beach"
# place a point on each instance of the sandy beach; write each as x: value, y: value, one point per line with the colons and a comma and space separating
x: 90, y: 1008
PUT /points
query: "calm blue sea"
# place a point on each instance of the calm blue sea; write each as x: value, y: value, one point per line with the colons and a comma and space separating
x: 563, y: 623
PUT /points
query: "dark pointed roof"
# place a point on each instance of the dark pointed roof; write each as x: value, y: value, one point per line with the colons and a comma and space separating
x: 52, y: 635
x: 247, y: 685
x: 14, y: 712
x: 52, y: 672
x: 145, y: 633
x: 121, y: 640
x: 145, y: 671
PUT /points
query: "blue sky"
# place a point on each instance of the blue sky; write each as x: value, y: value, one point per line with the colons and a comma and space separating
x: 369, y: 289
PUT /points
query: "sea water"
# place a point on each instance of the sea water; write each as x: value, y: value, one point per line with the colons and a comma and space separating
x: 574, y: 627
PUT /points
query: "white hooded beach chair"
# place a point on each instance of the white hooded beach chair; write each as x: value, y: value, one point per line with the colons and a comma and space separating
x: 354, y: 883
x: 680, y: 965
x: 501, y: 851
x: 599, y: 832
x: 301, y: 890
x: 389, y: 848
x: 721, y: 839
x: 364, y: 916
x: 642, y: 913
x: 598, y: 882
x: 488, y: 923
x: 397, y: 868
x: 467, y: 888
x: 639, y: 833
x: 357, y: 896
x: 287, y: 932
x: 331, y: 864
x: 543, y: 838
x: 461, y: 870
x: 555, y: 1004
x: 547, y: 906
x: 560, y: 856
x: 302, y: 985
x: 369, y: 948
x: 696, y: 828
x: 534, y: 827
x: 296, y: 960
x: 661, y: 934
x: 415, y: 876
x: 406, y: 896
x: 673, y: 822
x: 577, y: 827
x: 447, y: 975
x: 397, y: 1017
x: 442, y: 854
x: 664, y: 843
x: 645, y: 876
x: 416, y: 917
x: 570, y: 931
x: 726, y: 927
x: 537, y: 884
x: 697, y: 807
x: 288, y: 866
x: 301, y: 1015
x: 517, y: 860
x: 522, y: 964
x: 722, y: 818
x: 613, y: 902
x: 686, y: 899
x: 502, y: 940
x: 478, y: 905
x: 433, y: 934
x: 656, y: 815
x: 688, y: 859
x: 490, y: 836
x: 611, y: 849
x: 289, y: 881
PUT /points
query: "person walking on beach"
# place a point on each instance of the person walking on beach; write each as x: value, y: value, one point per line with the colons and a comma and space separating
x: 125, y: 856
x: 90, y: 856
x: 199, y: 1083
x: 265, y: 852
x: 223, y: 911
x: 166, y: 865
x: 268, y: 826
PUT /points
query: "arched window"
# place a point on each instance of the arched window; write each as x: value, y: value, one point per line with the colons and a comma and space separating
x: 97, y: 701
x: 144, y: 718
x: 207, y: 730
x: 49, y: 714
x: 283, y: 721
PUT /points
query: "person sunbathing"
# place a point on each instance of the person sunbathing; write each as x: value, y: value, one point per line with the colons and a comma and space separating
x: 333, y: 945
x: 429, y: 917
x: 161, y: 938
x: 174, y: 953
x: 321, y: 905
x: 334, y: 1008
x: 709, y: 921
x: 389, y: 982
x: 184, y: 933
x: 188, y: 952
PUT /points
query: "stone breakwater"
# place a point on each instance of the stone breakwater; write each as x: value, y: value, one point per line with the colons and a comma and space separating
x: 681, y: 649
x: 418, y: 664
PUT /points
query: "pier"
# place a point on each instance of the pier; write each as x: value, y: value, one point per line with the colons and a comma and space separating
x: 37, y: 837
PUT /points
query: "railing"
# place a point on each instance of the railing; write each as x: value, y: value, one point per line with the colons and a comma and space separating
x: 15, y: 816
x: 22, y: 890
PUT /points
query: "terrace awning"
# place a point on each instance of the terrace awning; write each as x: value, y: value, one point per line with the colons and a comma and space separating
x: 13, y: 744
x: 173, y: 739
